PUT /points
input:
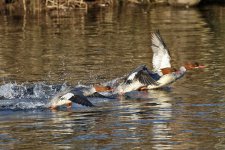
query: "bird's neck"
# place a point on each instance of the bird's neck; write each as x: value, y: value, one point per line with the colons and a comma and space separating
x: 167, y: 70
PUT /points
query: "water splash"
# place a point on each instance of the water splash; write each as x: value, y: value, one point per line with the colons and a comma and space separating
x: 23, y: 96
x: 27, y: 96
x: 25, y: 90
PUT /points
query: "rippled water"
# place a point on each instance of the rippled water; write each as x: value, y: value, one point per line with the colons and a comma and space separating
x: 41, y: 53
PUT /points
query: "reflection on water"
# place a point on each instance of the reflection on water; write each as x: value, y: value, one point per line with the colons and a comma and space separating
x: 97, y: 46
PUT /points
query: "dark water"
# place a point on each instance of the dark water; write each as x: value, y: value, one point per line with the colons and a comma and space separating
x: 42, y: 51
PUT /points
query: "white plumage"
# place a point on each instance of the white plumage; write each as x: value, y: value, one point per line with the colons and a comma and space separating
x: 132, y: 76
x: 141, y: 77
x: 161, y: 57
x: 67, y: 96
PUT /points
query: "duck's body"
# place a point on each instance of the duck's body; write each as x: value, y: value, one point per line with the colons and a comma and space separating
x: 68, y: 97
x: 92, y: 90
x: 167, y: 79
x: 140, y: 78
x: 78, y: 95
x: 161, y: 75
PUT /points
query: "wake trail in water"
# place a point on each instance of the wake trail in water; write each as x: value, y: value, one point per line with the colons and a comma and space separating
x: 23, y: 96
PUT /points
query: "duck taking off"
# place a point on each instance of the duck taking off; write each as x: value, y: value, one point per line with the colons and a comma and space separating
x: 68, y: 97
x: 78, y: 95
x: 161, y: 75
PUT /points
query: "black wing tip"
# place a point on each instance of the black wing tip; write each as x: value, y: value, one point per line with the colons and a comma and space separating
x: 158, y: 35
x: 82, y: 100
x: 156, y: 32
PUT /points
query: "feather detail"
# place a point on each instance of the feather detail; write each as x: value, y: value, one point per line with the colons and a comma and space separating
x: 161, y: 56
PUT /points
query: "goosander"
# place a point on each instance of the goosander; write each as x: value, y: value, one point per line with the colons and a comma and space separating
x: 138, y: 78
x: 67, y: 98
x: 78, y: 95
x: 162, y: 75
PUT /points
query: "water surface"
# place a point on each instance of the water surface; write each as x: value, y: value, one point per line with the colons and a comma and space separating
x: 40, y: 53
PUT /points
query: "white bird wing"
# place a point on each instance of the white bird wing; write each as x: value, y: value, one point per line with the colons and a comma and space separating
x: 161, y: 57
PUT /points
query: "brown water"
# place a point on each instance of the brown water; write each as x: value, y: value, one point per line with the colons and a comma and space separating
x: 44, y: 51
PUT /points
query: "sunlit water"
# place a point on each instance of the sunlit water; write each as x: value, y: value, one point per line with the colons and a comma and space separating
x: 40, y: 54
